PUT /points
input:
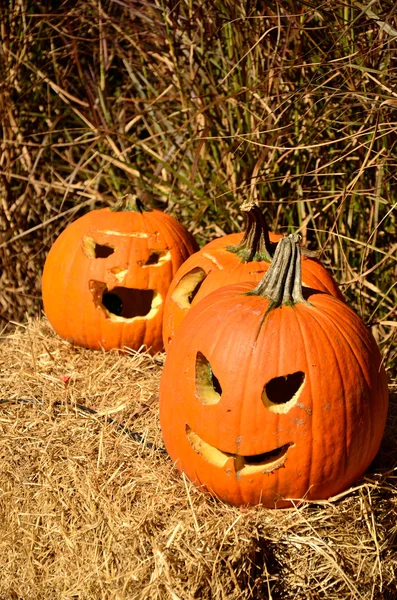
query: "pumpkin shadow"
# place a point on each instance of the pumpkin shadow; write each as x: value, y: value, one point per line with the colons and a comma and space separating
x: 386, y: 459
x: 260, y: 569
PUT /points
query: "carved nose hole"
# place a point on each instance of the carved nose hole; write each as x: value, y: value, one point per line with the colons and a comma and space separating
x: 188, y: 287
x: 281, y: 393
x: 208, y: 388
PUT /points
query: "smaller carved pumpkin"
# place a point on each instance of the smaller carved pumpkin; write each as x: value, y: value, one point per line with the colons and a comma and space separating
x: 273, y: 393
x: 231, y: 259
x: 106, y: 277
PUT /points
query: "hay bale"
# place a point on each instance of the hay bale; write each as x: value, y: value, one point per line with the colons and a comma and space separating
x: 88, y: 512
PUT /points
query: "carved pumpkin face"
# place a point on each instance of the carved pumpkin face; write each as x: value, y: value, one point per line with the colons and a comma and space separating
x: 259, y: 405
x: 106, y: 277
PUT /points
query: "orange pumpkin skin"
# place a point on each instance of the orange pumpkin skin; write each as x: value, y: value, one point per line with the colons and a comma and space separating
x: 217, y: 266
x: 326, y: 435
x: 129, y: 257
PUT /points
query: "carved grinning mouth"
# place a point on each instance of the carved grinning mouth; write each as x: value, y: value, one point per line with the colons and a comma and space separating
x: 267, y: 462
x: 122, y: 304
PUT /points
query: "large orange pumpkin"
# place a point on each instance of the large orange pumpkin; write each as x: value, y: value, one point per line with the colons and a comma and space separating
x: 231, y: 259
x: 107, y: 275
x: 271, y: 394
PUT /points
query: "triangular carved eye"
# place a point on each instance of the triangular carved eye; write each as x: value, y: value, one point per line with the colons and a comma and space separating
x: 103, y: 251
x: 92, y: 249
x: 153, y: 258
x: 208, y: 388
x: 280, y: 394
x: 157, y: 257
x: 188, y: 287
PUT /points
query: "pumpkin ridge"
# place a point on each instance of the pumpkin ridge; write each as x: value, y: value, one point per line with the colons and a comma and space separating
x: 348, y: 340
x: 83, y: 315
x: 251, y: 374
x: 332, y: 325
x: 328, y: 283
x: 245, y: 376
x: 172, y: 231
x: 69, y: 263
x: 353, y: 349
x: 308, y: 382
x: 347, y: 322
x: 317, y: 352
x: 335, y: 353
x: 281, y: 328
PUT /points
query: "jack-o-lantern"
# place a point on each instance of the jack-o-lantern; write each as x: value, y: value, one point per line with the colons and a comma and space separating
x: 271, y: 394
x: 234, y: 258
x: 107, y: 275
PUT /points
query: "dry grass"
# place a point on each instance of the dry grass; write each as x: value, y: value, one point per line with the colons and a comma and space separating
x: 87, y: 512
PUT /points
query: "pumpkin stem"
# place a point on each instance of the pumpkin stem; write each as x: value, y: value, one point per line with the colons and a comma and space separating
x: 282, y: 284
x: 130, y: 203
x: 256, y: 244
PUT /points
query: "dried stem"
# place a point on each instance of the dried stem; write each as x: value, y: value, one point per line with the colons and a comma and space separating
x: 256, y: 244
x: 130, y: 203
x: 282, y: 283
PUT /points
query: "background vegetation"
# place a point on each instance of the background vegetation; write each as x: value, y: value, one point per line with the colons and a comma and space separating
x: 195, y: 106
